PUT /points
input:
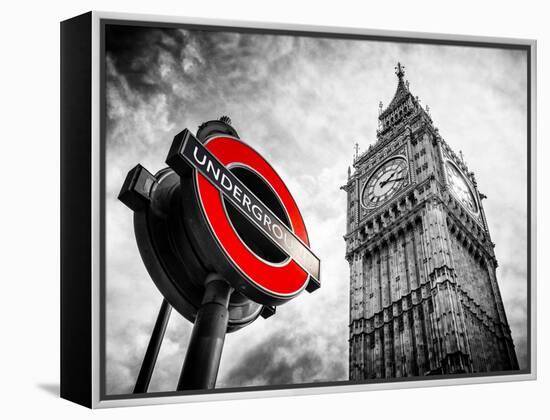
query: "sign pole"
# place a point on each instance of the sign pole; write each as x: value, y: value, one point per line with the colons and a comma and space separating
x: 152, y: 352
x: 202, y: 361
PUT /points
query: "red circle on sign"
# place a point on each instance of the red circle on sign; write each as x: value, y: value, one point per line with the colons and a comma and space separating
x: 285, y: 279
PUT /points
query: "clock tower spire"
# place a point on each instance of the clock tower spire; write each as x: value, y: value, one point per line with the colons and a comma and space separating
x: 424, y: 297
x: 400, y: 70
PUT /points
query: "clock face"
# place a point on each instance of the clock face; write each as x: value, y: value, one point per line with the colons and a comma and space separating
x: 460, y: 187
x: 385, y: 182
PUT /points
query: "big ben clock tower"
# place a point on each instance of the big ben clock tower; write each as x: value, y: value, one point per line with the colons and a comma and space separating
x: 424, y: 297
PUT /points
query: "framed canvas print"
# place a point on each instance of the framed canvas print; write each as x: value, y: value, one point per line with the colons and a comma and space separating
x: 253, y: 209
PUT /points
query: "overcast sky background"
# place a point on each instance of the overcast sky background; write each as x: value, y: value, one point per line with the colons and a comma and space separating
x: 302, y: 103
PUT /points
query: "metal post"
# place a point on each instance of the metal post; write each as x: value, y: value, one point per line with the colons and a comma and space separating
x: 152, y: 352
x: 204, y: 352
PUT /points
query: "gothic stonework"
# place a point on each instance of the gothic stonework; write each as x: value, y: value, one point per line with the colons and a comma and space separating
x: 424, y: 297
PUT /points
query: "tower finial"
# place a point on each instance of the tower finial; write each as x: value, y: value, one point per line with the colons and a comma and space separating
x: 356, y: 147
x: 400, y: 70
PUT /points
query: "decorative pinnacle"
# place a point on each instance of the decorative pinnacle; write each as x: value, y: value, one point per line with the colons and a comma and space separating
x: 356, y: 147
x: 400, y: 70
x: 225, y: 119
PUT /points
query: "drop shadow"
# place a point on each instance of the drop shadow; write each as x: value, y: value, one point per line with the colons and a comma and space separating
x: 52, y: 389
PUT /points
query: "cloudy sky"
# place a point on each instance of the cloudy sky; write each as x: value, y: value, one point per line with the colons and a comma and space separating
x: 302, y: 102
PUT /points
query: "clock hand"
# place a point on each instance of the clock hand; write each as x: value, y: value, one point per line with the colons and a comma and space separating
x: 382, y: 183
x: 391, y: 180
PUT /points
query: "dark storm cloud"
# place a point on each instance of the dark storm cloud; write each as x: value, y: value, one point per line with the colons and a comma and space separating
x: 302, y: 103
x: 277, y: 362
x: 136, y: 53
x: 173, y: 63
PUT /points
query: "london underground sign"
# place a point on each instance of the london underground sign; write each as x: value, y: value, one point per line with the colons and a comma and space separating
x: 214, y: 182
x: 223, y: 240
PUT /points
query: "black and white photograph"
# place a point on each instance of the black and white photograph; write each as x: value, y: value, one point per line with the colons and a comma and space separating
x: 390, y: 237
